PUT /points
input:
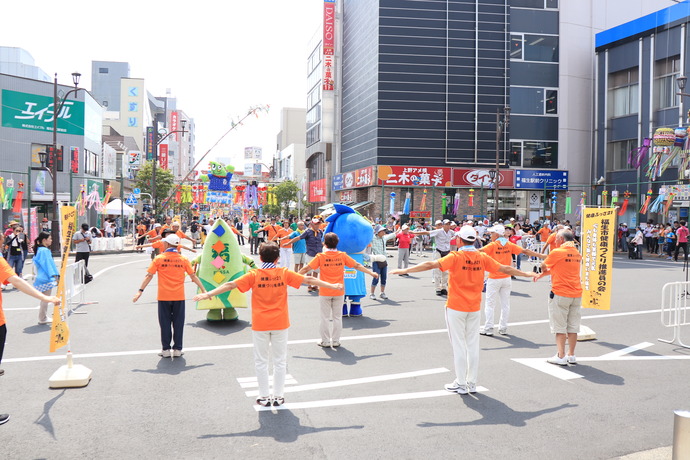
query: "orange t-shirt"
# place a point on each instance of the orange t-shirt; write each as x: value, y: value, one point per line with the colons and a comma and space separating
x: 171, y: 268
x: 271, y: 231
x: 152, y: 233
x: 551, y: 242
x: 502, y: 254
x: 141, y: 230
x: 544, y: 233
x: 284, y: 232
x: 5, y: 273
x: 564, y: 265
x: 332, y: 269
x: 269, y: 296
x: 466, y: 278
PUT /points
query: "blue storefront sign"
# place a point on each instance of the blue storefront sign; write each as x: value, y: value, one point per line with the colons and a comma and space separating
x: 337, y: 182
x: 541, y: 179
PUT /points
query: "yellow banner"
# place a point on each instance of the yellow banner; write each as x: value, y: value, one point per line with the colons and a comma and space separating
x: 59, y: 332
x: 598, y: 245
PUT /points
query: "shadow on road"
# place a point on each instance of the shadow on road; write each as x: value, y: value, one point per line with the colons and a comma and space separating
x: 594, y: 375
x: 343, y: 356
x: 221, y: 327
x: 495, y: 412
x: 283, y: 426
x: 514, y: 343
x: 173, y: 366
x: 44, y: 419
x: 364, y: 322
x: 37, y: 329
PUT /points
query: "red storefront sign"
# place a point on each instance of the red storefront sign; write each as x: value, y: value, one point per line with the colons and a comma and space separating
x: 328, y: 27
x: 347, y: 196
x: 364, y: 177
x: 420, y: 214
x: 174, y: 124
x: 163, y: 155
x: 414, y: 176
x: 75, y: 160
x: 482, y: 177
x: 317, y: 191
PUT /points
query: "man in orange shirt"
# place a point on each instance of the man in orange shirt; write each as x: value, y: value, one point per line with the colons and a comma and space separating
x: 171, y: 268
x: 8, y: 276
x: 550, y: 242
x: 499, y: 285
x: 543, y: 233
x: 176, y: 230
x: 141, y: 233
x: 331, y: 265
x: 466, y: 267
x: 563, y: 264
x: 271, y: 230
x: 270, y: 319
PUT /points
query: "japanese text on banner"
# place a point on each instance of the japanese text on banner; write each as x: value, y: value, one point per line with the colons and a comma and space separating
x: 59, y: 332
x: 598, y: 244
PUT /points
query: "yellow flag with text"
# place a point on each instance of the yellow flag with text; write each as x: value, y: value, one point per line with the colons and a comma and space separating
x: 59, y: 332
x: 598, y: 244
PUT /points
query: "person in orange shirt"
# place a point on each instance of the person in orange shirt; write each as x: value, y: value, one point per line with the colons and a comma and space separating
x: 271, y: 230
x: 159, y: 245
x: 180, y: 233
x: 331, y: 265
x: 543, y: 233
x: 499, y: 285
x: 270, y: 318
x: 141, y: 233
x: 8, y: 276
x: 171, y: 268
x: 466, y: 267
x: 168, y: 223
x: 550, y: 242
x: 563, y: 264
x: 285, y: 244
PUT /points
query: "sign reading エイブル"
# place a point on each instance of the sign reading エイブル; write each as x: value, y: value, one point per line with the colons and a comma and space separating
x: 598, y: 244
x: 31, y: 111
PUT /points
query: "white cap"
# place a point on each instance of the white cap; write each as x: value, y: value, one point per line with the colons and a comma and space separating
x: 512, y: 219
x: 498, y: 229
x: 172, y: 240
x: 156, y: 225
x: 438, y: 222
x: 445, y: 222
x: 467, y: 233
x: 405, y: 227
x: 175, y: 224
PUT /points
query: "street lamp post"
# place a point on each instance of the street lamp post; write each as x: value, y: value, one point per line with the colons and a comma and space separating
x: 160, y: 138
x: 501, y: 125
x: 58, y: 105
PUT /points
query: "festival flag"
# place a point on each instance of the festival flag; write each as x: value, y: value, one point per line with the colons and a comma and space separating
x: 59, y: 331
x: 598, y: 245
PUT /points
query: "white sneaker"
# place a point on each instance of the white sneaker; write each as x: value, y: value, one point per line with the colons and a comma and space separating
x: 571, y: 359
x: 372, y: 296
x: 47, y: 321
x: 164, y: 354
x: 472, y: 387
x: 384, y: 296
x: 486, y: 331
x: 556, y: 360
x: 177, y: 353
x: 455, y: 388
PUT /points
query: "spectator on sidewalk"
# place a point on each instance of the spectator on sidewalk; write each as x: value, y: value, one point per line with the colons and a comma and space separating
x: 47, y: 274
x: 17, y: 248
x: 82, y: 244
x: 404, y: 238
x: 682, y: 233
x: 379, y: 260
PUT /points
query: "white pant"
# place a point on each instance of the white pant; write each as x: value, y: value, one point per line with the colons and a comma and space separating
x: 440, y: 278
x: 463, y: 331
x: 285, y: 257
x: 497, y: 293
x: 275, y: 343
x: 331, y: 318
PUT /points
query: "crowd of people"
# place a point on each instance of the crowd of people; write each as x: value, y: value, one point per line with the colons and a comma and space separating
x: 662, y: 240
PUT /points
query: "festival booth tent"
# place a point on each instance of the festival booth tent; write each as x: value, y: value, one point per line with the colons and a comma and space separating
x: 116, y: 207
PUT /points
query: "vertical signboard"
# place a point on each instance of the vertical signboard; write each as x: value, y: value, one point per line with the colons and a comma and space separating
x: 174, y: 124
x: 598, y: 245
x: 328, y: 43
x: 74, y: 162
x: 150, y: 143
x: 163, y: 155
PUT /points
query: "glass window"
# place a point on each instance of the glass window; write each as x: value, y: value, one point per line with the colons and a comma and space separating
x: 539, y: 4
x: 533, y: 101
x: 617, y: 154
x: 665, y: 73
x: 540, y: 154
x: 515, y: 154
x: 102, y: 70
x: 541, y: 48
x: 623, y: 93
x: 553, y: 4
x: 551, y: 103
x: 516, y: 42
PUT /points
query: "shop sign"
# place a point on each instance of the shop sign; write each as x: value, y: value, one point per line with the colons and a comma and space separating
x: 415, y: 176
x: 317, y: 191
x: 463, y: 177
x: 541, y: 179
x: 31, y: 111
x: 337, y: 182
x: 347, y: 196
x: 420, y: 214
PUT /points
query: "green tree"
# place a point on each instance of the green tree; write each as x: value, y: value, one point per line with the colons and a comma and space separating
x: 286, y: 193
x: 164, y: 181
x: 271, y: 210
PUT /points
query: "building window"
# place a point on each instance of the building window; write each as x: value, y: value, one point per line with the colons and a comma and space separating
x: 314, y: 135
x: 534, y: 4
x: 552, y: 4
x: 541, y: 48
x: 534, y: 154
x: 105, y: 104
x: 617, y: 154
x: 623, y: 93
x: 516, y: 42
x: 534, y: 101
x: 102, y: 70
x: 665, y: 73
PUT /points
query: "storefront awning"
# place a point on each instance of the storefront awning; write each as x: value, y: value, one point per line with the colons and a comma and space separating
x: 361, y: 204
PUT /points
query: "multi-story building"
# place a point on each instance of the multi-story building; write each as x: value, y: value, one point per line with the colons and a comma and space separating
x: 637, y: 69
x: 289, y: 161
x: 20, y: 63
x: 105, y: 83
x: 433, y: 98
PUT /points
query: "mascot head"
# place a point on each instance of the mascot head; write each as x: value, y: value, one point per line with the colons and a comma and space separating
x: 353, y: 230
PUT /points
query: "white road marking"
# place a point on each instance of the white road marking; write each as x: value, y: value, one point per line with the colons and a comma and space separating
x: 361, y: 400
x: 252, y: 382
x: 554, y: 370
x: 253, y: 379
x: 342, y: 383
x: 628, y: 350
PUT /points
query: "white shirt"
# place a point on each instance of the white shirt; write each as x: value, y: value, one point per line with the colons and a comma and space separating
x: 442, y: 238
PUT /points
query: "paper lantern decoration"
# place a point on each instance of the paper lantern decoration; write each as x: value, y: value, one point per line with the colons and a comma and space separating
x: 554, y: 199
x: 645, y: 206
x: 614, y: 198
x: 605, y: 198
x: 422, y: 206
x: 406, y: 206
x: 470, y: 202
x: 456, y: 203
x: 568, y: 203
x: 18, y: 198
x: 444, y: 204
x: 624, y: 205
x: 391, y: 207
x: 681, y: 135
x: 664, y: 137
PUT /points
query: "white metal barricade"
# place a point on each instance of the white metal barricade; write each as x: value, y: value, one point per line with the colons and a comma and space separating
x: 75, y: 289
x: 674, y: 309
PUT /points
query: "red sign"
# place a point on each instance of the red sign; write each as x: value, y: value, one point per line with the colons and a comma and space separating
x: 364, y: 177
x: 317, y: 191
x: 347, y: 196
x: 174, y: 124
x: 420, y: 214
x: 328, y: 27
x: 414, y: 176
x: 75, y: 160
x: 163, y: 155
x: 482, y: 177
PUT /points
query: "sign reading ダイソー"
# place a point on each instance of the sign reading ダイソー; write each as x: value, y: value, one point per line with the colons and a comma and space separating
x: 31, y: 111
x: 482, y: 178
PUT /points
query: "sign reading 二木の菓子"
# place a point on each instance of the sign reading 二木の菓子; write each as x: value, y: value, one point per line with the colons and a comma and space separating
x: 598, y: 245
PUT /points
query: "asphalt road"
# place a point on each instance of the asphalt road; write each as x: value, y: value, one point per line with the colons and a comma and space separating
x: 378, y: 396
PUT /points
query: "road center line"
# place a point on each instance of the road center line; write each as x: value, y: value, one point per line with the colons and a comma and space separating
x: 342, y: 383
x: 628, y: 350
